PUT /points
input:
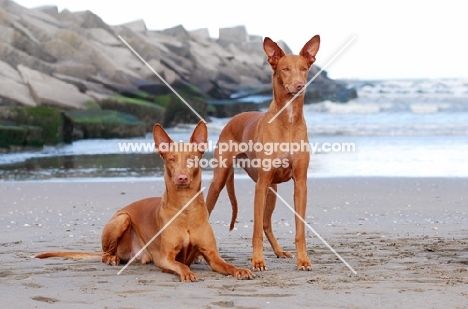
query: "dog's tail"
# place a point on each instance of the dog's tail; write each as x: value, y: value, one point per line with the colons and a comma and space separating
x: 69, y: 255
x: 232, y: 197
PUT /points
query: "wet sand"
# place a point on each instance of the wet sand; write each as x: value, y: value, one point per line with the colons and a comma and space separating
x: 407, y: 238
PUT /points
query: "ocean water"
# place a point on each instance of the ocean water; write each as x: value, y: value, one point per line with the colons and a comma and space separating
x: 414, y: 128
x: 400, y: 128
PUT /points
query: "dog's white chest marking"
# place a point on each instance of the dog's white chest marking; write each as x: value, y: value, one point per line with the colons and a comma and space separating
x: 289, y: 110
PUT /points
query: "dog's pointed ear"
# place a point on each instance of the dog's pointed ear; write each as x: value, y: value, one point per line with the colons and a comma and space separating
x: 162, y: 141
x: 200, y: 136
x: 310, y: 49
x: 273, y: 51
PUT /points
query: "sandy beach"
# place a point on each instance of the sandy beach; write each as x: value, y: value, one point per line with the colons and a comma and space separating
x: 405, y: 237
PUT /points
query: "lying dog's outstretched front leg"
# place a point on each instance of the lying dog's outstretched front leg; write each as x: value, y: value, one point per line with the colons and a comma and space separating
x: 168, y: 263
x: 206, y: 243
x: 219, y: 265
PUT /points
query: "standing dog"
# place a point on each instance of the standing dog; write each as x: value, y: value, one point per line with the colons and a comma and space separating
x: 288, y: 127
x: 183, y: 239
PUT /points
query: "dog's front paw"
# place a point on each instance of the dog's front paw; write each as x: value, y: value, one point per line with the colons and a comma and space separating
x: 188, y: 277
x: 304, y: 265
x: 112, y: 260
x: 258, y: 264
x: 243, y: 274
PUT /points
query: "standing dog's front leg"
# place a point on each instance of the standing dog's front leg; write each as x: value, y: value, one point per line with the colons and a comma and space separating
x: 270, y: 204
x: 300, y: 202
x: 258, y: 260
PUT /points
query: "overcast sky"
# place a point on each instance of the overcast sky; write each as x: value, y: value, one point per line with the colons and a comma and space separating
x: 394, y: 39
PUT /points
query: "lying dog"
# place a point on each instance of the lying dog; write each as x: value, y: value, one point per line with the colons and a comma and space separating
x: 184, y: 238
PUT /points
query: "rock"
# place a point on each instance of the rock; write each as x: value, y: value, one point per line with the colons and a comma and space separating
x: 103, y: 36
x: 41, y: 25
x: 159, y: 40
x: 20, y: 137
x: 140, y: 42
x: 250, y: 53
x: 51, y: 10
x: 173, y: 42
x: 15, y: 93
x: 201, y: 34
x: 322, y: 89
x: 88, y: 19
x: 149, y: 113
x: 180, y: 52
x: 176, y: 67
x: 336, y: 93
x: 178, y: 112
x: 169, y: 75
x: 204, y: 80
x: 98, y: 97
x: 24, y: 44
x: 41, y: 14
x: 62, y: 50
x: 72, y: 68
x: 106, y: 124
x: 49, y: 91
x: 285, y: 47
x: 68, y: 19
x: 121, y: 58
x: 255, y: 39
x: 12, y: 7
x: 102, y: 56
x: 203, y: 58
x: 85, y: 85
x: 229, y: 108
x: 13, y: 23
x: 9, y: 73
x: 232, y: 35
x: 249, y: 63
x: 117, y: 87
x: 15, y: 57
x: 229, y: 74
x: 137, y: 25
x: 7, y: 34
x: 178, y: 32
x: 50, y: 120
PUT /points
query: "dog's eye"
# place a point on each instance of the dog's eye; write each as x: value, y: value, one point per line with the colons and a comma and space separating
x: 286, y: 69
x: 171, y: 159
x: 304, y: 69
